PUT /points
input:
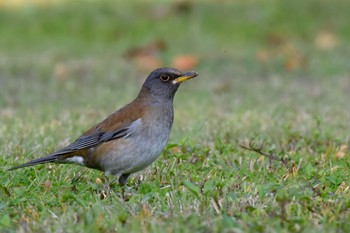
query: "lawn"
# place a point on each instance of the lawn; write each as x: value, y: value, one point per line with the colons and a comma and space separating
x: 274, y: 77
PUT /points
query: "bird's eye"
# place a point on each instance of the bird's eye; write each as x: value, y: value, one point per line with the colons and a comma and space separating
x: 164, y: 77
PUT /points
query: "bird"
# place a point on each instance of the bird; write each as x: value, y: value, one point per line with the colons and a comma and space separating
x: 131, y: 138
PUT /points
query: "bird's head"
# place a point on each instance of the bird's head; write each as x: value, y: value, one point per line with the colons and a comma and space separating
x: 164, y: 82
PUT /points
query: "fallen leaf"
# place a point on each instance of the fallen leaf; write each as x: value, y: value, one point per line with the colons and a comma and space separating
x: 185, y: 62
x: 176, y: 149
x: 149, y: 49
x: 147, y: 62
x: 48, y: 185
x: 275, y: 39
x: 146, y: 57
x: 61, y: 71
x: 326, y: 40
x: 263, y: 55
x: 293, y: 63
x: 341, y: 152
x: 25, y: 3
x: 98, y: 181
x: 294, y: 59
x: 183, y: 6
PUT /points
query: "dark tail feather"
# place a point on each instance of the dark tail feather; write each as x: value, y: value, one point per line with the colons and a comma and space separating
x: 47, y: 159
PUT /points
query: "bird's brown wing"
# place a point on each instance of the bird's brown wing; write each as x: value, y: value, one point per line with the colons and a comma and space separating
x: 113, y: 127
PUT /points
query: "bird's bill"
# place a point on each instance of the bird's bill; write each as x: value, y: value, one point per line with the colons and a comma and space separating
x: 185, y: 76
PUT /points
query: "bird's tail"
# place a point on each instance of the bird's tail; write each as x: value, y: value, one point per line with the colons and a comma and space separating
x: 47, y: 159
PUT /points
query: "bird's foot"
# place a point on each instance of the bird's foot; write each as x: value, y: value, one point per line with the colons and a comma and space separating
x: 106, y: 187
x: 123, y: 179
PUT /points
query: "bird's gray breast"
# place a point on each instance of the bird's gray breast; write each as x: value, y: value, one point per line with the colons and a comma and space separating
x: 144, y: 142
x: 151, y: 138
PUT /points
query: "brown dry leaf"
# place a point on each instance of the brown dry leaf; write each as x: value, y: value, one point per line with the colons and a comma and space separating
x: 185, y: 62
x: 98, y: 181
x: 21, y: 3
x: 276, y: 39
x: 48, y: 185
x: 294, y: 59
x: 183, y: 6
x: 150, y: 49
x: 176, y: 149
x: 146, y: 57
x: 341, y: 152
x: 263, y: 55
x: 326, y: 40
x: 61, y: 72
x: 178, y: 7
x: 294, y: 63
x: 148, y: 63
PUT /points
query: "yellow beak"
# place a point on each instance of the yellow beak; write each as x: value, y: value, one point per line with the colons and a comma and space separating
x: 185, y: 76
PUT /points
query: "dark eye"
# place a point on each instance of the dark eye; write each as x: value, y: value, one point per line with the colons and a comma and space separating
x: 164, y: 77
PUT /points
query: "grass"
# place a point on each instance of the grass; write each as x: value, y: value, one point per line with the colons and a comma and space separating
x: 272, y: 73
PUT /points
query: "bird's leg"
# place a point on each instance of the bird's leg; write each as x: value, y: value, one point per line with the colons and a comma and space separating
x: 122, y: 181
x: 106, y: 187
x: 123, y: 178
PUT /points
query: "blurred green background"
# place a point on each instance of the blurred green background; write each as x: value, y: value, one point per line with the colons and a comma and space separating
x: 272, y: 71
x: 251, y: 56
